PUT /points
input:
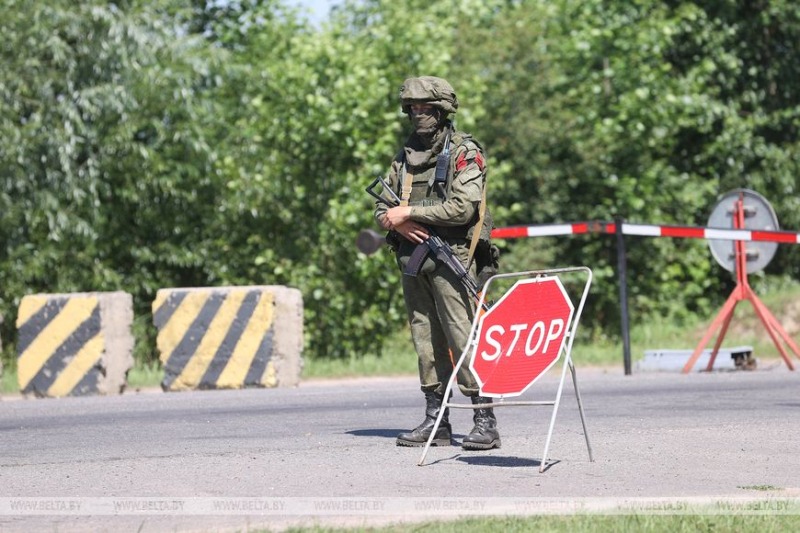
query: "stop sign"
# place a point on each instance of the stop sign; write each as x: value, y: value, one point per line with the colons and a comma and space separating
x: 521, y: 336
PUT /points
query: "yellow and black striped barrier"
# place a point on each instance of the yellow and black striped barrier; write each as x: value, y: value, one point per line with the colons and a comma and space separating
x: 229, y: 337
x: 74, y: 344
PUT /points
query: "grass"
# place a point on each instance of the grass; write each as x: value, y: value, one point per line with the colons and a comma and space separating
x: 145, y: 375
x: 590, y: 523
x: 398, y: 358
x: 766, y: 488
x: 8, y: 378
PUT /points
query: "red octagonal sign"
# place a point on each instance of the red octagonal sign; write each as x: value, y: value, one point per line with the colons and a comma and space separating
x: 521, y: 336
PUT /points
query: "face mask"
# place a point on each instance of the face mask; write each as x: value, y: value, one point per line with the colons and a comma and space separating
x: 425, y: 124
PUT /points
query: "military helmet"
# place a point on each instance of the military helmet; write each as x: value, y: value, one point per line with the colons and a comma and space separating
x: 428, y: 90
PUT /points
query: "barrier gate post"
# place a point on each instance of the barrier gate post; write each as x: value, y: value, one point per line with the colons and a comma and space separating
x: 518, y: 340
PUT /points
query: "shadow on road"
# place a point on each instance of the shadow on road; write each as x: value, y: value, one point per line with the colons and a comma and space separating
x: 506, y: 461
x: 376, y: 432
x: 392, y: 434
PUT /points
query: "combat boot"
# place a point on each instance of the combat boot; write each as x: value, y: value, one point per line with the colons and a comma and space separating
x: 484, y: 436
x: 419, y: 435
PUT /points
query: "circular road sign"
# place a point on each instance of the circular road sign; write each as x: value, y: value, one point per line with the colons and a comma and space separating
x: 758, y: 215
x: 521, y: 336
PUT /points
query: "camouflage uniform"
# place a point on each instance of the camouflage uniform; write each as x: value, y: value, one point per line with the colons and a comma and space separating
x: 440, y: 310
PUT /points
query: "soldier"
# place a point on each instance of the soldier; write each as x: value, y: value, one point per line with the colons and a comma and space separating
x: 449, y: 201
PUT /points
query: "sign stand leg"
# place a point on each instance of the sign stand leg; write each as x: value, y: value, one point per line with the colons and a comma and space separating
x: 567, y: 365
x: 721, y: 336
x: 774, y: 328
x: 723, y: 317
x: 580, y: 410
x: 779, y: 329
x: 557, y: 402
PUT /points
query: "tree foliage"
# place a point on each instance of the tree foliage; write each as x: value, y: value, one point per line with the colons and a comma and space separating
x: 647, y: 111
x: 201, y: 143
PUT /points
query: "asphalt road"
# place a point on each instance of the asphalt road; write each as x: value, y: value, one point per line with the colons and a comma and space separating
x: 324, y: 452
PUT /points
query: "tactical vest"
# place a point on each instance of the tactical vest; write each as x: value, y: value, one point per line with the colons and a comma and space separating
x: 425, y: 190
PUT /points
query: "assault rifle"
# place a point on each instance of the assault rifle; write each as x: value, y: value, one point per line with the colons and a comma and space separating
x: 433, y: 244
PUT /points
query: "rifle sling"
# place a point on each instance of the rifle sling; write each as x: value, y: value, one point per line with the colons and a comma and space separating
x: 476, y: 231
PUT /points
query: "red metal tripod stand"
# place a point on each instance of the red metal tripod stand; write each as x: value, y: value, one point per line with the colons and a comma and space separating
x: 742, y: 291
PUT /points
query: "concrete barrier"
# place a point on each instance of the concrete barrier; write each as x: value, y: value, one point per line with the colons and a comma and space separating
x: 669, y: 360
x: 229, y: 337
x: 74, y: 344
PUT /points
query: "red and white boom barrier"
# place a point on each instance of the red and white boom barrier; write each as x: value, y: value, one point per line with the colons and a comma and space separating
x: 739, y: 234
x: 645, y: 230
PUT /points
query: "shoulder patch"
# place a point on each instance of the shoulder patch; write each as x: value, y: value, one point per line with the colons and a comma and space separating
x: 471, y: 154
x: 461, y: 162
x: 480, y: 161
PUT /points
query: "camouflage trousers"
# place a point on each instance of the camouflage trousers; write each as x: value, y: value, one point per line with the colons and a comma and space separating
x: 440, y: 313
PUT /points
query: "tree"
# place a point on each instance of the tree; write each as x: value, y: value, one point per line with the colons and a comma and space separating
x: 637, y: 111
x: 103, y: 149
x: 199, y: 143
x: 316, y: 118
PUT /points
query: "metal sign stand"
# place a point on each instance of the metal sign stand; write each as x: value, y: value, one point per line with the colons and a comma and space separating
x: 568, y: 364
x: 741, y: 292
